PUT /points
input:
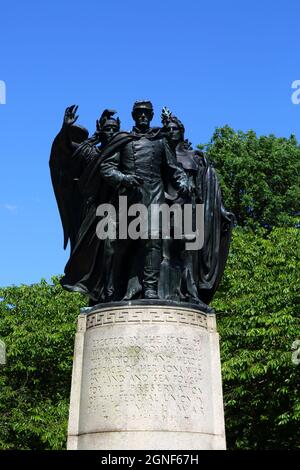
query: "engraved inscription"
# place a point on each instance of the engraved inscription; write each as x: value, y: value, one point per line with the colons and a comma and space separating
x: 149, y: 376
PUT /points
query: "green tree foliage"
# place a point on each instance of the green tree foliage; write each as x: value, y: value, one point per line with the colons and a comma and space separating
x: 260, y: 297
x: 38, y: 324
x: 260, y: 176
x: 260, y: 180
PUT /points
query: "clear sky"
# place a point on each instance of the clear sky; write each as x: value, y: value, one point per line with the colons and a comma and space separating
x: 211, y: 62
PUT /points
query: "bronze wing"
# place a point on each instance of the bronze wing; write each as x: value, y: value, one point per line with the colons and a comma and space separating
x: 63, y: 169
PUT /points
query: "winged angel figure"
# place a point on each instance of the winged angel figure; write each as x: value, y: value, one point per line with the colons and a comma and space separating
x: 74, y: 161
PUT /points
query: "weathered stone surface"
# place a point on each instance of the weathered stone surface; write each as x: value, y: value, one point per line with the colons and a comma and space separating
x: 146, y: 377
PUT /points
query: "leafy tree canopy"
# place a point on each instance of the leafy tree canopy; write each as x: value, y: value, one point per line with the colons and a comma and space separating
x: 260, y: 176
x: 260, y: 297
x: 37, y: 324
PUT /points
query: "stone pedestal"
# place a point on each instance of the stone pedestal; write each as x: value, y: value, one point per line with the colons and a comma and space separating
x: 146, y: 376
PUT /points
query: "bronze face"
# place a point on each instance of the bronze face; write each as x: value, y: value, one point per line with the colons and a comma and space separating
x: 142, y: 117
x: 174, y: 133
x: 108, y: 130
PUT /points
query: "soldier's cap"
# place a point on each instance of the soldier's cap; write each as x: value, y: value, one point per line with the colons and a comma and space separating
x: 142, y: 104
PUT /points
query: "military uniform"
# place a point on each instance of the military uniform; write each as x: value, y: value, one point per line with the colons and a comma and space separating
x: 149, y: 157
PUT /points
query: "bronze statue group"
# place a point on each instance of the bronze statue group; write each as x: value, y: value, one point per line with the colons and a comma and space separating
x: 149, y: 165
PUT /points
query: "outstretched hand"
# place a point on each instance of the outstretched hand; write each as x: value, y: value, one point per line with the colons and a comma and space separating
x: 70, y: 116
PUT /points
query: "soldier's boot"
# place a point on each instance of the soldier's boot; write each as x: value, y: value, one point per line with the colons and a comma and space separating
x: 152, y: 268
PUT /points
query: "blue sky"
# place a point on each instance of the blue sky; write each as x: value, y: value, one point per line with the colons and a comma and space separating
x: 213, y: 63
